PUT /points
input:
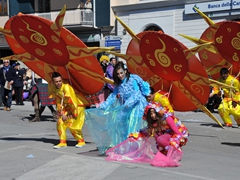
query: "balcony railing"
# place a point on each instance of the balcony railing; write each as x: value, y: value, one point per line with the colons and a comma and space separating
x: 72, y: 17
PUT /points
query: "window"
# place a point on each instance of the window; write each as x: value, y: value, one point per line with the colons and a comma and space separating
x: 44, y: 6
x: 3, y: 8
x: 153, y: 28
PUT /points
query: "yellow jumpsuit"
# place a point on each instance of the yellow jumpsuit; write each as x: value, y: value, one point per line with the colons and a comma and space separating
x: 70, y: 105
x: 164, y: 101
x: 226, y: 109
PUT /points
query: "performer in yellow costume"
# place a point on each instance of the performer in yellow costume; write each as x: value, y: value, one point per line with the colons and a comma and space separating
x: 70, y: 111
x: 160, y: 97
x: 229, y: 105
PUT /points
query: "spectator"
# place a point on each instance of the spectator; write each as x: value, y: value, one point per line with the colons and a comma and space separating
x: 1, y: 102
x: 88, y: 4
x: 109, y: 72
x: 18, y: 83
x: 88, y: 11
x: 104, y: 62
x: 7, y: 79
x: 39, y: 94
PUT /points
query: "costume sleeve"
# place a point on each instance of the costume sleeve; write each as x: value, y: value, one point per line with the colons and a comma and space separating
x: 170, y: 122
x: 70, y: 101
x: 236, y: 84
x: 135, y: 86
x: 110, y: 99
x: 236, y: 93
x: 69, y: 96
x: 133, y: 99
x: 143, y: 85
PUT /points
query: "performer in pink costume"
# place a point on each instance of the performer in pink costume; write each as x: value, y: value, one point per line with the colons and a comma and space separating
x: 158, y: 144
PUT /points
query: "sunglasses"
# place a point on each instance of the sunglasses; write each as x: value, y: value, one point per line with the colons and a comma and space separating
x: 5, y: 62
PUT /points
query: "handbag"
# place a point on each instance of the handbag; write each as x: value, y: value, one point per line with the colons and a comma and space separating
x: 8, y: 85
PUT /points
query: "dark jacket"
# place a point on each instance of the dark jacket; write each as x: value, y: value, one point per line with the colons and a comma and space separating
x: 104, y: 67
x: 10, y: 74
x: 18, y: 77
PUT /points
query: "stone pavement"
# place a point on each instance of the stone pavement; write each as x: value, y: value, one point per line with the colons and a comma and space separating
x: 26, y: 152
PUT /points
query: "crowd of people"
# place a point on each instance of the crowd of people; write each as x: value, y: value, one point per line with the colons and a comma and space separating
x: 132, y: 122
x: 13, y: 81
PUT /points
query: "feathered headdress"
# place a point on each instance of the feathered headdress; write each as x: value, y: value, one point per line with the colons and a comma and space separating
x: 153, y: 105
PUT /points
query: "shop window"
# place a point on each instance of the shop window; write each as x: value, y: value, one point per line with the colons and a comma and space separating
x: 3, y: 8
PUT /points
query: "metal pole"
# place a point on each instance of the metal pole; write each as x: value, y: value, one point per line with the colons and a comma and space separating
x: 94, y: 14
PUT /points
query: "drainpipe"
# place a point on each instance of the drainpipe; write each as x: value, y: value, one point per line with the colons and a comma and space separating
x: 94, y: 14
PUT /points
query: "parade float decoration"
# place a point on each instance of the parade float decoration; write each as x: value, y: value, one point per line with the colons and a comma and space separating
x: 218, y: 54
x: 181, y: 73
x: 135, y: 63
x: 46, y: 46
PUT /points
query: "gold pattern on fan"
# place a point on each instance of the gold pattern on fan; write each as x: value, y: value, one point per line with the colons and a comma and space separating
x: 219, y: 40
x: 236, y: 41
x: 161, y: 57
x: 209, y: 35
x: 235, y: 57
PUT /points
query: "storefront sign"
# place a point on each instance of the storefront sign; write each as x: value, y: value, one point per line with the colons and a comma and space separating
x: 212, y: 6
x: 115, y: 41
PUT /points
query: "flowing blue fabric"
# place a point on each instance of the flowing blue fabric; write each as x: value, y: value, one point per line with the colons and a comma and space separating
x: 120, y: 115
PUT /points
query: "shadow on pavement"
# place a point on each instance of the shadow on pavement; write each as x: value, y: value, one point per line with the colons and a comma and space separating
x: 230, y: 144
x: 211, y: 124
x: 44, y: 140
x: 43, y: 118
x: 201, y: 135
x: 92, y: 153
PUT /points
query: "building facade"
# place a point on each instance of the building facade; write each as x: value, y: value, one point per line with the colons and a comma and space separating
x: 172, y: 17
x: 87, y: 23
x: 93, y: 26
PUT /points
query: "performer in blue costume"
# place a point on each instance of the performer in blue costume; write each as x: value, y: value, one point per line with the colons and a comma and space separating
x: 121, y: 114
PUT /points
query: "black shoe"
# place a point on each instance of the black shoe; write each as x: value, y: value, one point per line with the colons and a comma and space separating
x: 21, y: 104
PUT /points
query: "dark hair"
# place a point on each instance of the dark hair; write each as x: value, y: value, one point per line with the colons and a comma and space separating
x: 150, y: 121
x: 55, y: 75
x: 224, y: 71
x: 151, y: 90
x: 112, y: 59
x: 119, y: 65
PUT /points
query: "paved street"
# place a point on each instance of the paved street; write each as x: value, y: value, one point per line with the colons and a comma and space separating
x: 26, y: 152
